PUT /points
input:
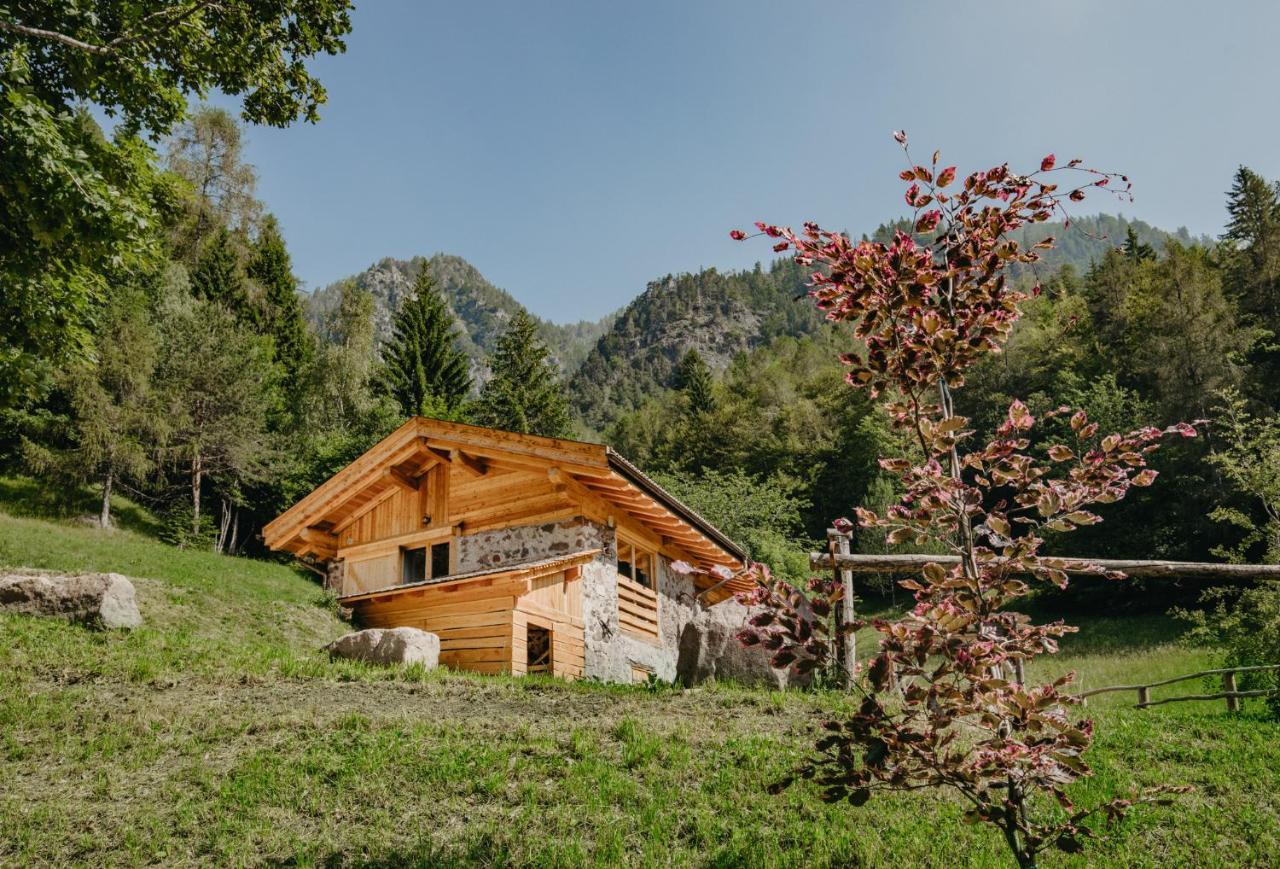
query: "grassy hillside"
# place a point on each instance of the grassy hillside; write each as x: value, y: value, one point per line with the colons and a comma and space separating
x: 220, y: 734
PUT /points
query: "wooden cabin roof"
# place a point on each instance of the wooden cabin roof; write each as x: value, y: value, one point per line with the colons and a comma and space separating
x: 587, y: 474
x: 527, y: 570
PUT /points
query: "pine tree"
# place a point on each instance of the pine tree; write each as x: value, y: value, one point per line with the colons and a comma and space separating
x: 424, y: 371
x: 1135, y: 248
x: 1252, y: 275
x: 693, y: 378
x: 1253, y: 231
x: 112, y: 421
x: 219, y: 277
x: 525, y: 394
x: 217, y: 381
x: 283, y: 319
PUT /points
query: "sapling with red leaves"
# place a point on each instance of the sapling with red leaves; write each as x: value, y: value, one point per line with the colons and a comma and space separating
x: 945, y: 702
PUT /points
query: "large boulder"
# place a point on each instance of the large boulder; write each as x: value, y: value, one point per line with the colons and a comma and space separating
x: 99, y: 600
x: 708, y: 648
x: 388, y: 646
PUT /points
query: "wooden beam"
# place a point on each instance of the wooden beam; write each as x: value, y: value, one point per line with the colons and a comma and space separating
x: 476, y: 467
x: 388, y: 545
x: 1142, y: 569
x: 370, y: 474
x: 399, y: 476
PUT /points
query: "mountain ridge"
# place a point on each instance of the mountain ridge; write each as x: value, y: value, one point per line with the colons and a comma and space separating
x: 613, y: 364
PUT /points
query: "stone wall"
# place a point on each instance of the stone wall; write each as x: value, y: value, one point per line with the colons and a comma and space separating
x: 526, y: 543
x: 696, y: 641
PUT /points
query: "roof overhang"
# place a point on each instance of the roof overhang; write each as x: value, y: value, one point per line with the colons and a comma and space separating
x: 587, y: 472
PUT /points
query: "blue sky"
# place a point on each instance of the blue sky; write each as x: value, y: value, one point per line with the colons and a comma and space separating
x: 574, y: 151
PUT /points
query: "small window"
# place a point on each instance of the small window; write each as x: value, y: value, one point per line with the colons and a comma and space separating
x: 413, y: 565
x: 635, y: 564
x: 439, y: 560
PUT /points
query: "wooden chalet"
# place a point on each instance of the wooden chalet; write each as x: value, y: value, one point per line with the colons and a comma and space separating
x: 523, y: 553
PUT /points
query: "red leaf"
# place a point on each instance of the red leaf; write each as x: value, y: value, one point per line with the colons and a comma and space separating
x: 1047, y: 163
x: 946, y: 176
x: 737, y: 234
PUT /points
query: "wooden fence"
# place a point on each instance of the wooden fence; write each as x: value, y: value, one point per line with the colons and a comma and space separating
x: 845, y: 564
x: 852, y: 563
x: 1229, y: 691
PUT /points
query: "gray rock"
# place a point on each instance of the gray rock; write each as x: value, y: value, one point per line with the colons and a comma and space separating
x: 708, y: 648
x: 388, y: 646
x: 98, y: 600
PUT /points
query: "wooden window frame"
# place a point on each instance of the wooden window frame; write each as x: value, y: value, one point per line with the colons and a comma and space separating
x: 635, y: 555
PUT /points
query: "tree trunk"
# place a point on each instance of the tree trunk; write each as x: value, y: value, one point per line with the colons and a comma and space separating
x: 235, y: 531
x: 104, y: 518
x: 197, y: 477
x: 220, y: 543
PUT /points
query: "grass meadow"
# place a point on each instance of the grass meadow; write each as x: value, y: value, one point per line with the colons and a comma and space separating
x: 220, y: 734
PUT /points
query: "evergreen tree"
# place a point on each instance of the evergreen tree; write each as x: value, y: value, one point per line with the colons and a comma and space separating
x: 208, y: 153
x: 219, y: 277
x: 283, y: 319
x: 424, y: 371
x: 1135, y: 248
x: 524, y: 395
x: 693, y: 378
x: 111, y: 422
x: 1252, y: 267
x: 1253, y: 234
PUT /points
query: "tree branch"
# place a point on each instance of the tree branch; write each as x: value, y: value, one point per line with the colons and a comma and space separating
x: 172, y: 15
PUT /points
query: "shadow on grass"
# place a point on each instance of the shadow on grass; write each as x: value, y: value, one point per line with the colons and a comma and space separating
x: 26, y: 497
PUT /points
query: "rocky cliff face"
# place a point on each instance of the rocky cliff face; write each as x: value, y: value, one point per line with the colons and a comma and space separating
x: 719, y: 315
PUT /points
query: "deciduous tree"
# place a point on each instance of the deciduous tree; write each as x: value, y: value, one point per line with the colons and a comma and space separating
x: 946, y: 703
x: 218, y: 383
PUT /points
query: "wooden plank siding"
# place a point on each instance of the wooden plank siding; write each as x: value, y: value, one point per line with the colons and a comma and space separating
x: 483, y: 623
x: 637, y: 610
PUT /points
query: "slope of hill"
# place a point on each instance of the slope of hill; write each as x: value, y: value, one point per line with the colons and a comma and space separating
x: 482, y: 310
x: 220, y: 733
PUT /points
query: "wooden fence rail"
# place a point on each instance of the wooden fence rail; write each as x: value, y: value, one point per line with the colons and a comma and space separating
x: 1229, y: 691
x: 855, y: 563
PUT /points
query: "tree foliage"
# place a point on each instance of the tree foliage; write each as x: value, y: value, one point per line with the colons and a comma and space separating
x: 524, y: 393
x: 282, y: 317
x: 946, y: 703
x: 79, y: 212
x: 693, y: 378
x: 219, y: 389
x: 107, y: 422
x: 423, y: 368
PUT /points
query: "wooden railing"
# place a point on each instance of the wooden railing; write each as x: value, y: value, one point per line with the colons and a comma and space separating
x: 637, y: 610
x: 857, y: 563
x: 1228, y: 692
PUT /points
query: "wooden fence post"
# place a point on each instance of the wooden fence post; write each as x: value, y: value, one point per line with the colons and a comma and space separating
x: 1229, y: 686
x: 1144, y: 695
x: 847, y: 651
